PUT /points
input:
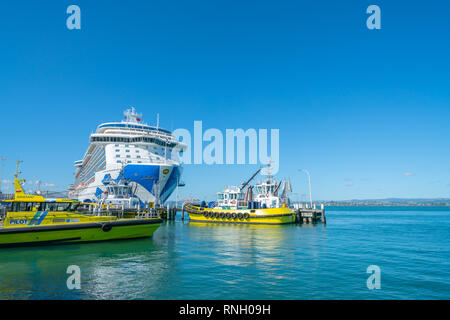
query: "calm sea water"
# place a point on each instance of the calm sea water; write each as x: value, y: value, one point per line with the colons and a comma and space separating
x: 191, y: 261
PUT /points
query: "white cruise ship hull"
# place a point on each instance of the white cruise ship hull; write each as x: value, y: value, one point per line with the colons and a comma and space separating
x: 148, y: 181
x: 147, y: 157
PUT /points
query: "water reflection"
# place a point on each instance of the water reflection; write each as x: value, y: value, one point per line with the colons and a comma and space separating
x: 266, y: 251
x: 107, y: 270
x: 215, y: 261
x: 180, y: 259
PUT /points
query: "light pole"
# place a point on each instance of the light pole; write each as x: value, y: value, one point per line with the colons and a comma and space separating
x: 309, y: 183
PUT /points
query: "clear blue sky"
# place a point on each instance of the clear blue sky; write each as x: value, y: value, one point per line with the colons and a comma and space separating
x: 366, y: 112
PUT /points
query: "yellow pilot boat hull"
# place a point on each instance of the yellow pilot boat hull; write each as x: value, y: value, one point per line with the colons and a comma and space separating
x: 78, y: 232
x: 34, y: 220
x: 272, y: 216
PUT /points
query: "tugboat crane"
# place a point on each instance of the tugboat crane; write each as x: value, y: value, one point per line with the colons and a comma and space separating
x: 249, y: 180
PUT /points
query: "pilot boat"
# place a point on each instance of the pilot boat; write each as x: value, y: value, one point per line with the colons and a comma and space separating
x: 233, y: 205
x: 34, y: 220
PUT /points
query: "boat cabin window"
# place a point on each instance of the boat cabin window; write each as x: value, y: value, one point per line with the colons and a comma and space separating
x: 235, y: 196
x: 62, y: 206
x: 220, y: 196
x: 7, y: 205
x: 43, y: 206
x: 20, y: 207
x: 74, y: 206
x: 119, y: 191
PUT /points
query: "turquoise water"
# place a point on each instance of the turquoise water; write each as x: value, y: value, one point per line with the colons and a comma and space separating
x: 190, y: 261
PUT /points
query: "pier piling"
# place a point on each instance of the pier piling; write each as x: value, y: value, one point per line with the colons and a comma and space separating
x: 310, y: 214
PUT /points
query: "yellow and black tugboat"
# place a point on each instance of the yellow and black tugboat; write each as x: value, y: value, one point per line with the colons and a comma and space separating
x: 35, y: 220
x: 235, y: 206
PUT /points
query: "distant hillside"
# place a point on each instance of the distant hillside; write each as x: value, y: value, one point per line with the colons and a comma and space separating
x: 392, y: 202
x: 375, y: 202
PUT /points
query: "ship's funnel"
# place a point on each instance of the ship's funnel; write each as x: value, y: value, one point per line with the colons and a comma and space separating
x: 246, y: 194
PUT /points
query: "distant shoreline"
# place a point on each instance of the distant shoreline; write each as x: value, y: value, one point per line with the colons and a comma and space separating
x: 388, y: 202
x: 334, y: 204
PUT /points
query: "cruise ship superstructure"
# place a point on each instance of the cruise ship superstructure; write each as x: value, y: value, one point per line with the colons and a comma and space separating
x: 146, y: 156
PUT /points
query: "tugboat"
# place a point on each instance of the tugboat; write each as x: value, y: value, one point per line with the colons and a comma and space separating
x: 235, y: 206
x: 34, y: 220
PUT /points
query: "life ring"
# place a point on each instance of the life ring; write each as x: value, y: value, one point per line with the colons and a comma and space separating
x: 246, y: 216
x: 216, y: 215
x: 228, y: 215
x: 222, y: 215
x: 205, y: 214
x: 240, y: 216
x: 106, y: 227
x: 233, y: 215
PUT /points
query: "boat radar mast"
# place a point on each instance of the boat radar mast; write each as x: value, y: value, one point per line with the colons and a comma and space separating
x: 268, y: 170
x: 16, y: 175
x: 19, y: 192
x: 132, y: 116
x: 18, y: 189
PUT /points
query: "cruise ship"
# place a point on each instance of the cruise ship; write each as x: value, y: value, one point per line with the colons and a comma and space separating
x: 146, y: 156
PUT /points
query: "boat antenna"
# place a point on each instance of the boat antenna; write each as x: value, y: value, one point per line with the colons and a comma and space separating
x: 157, y: 121
x: 1, y: 172
x: 16, y: 175
x: 269, y: 170
x: 17, y: 182
x: 39, y: 187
